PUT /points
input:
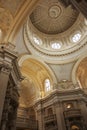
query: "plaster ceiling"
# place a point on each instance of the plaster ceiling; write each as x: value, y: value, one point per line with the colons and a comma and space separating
x: 8, y: 12
x: 51, y: 17
x: 12, y: 13
x: 32, y: 87
x: 42, y: 30
x: 49, y: 22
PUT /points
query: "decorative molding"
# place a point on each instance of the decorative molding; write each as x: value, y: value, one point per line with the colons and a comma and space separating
x: 51, y: 17
x: 67, y: 53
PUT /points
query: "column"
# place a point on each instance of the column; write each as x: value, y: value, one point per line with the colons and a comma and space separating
x: 5, y: 114
x: 60, y: 117
x: 83, y: 111
x: 39, y: 115
x: 40, y: 120
x: 4, y: 77
x: 13, y: 127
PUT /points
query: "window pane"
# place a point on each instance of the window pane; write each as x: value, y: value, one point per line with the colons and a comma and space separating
x: 76, y: 37
x: 47, y: 85
x: 56, y: 45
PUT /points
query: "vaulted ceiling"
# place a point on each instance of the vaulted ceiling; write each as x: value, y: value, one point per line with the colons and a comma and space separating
x: 12, y: 15
x: 50, y: 39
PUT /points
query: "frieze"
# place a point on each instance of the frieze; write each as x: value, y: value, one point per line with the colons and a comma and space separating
x: 66, y: 85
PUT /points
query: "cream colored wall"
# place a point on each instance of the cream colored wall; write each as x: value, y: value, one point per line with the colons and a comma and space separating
x: 19, y: 43
x: 63, y: 71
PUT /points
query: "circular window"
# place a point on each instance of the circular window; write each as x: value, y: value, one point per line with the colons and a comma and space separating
x: 76, y: 37
x: 56, y: 45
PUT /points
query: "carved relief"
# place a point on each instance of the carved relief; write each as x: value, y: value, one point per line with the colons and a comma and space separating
x: 5, y: 68
x: 65, y: 85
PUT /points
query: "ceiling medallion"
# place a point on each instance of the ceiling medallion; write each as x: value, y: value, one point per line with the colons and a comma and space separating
x: 54, y: 11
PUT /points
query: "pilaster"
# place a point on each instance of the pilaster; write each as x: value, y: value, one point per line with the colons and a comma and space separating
x: 9, y: 96
x: 40, y: 116
x: 59, y: 116
x: 83, y: 108
x: 4, y: 77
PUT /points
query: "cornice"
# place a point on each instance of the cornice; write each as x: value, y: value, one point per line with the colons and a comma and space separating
x: 9, y: 58
x: 68, y: 52
x: 57, y: 97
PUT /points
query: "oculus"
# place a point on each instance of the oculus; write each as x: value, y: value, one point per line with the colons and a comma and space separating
x: 76, y: 37
x: 36, y: 40
x: 55, y: 45
x: 54, y: 11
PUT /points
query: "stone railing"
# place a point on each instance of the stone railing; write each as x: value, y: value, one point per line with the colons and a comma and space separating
x: 72, y: 113
x: 50, y: 118
x: 26, y: 123
x: 50, y: 122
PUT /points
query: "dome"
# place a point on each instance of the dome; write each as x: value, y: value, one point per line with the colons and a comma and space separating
x: 51, y: 17
x: 55, y: 32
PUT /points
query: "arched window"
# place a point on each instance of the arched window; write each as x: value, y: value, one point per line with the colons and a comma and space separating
x: 47, y: 85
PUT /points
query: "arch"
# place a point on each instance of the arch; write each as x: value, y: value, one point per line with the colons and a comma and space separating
x: 25, y: 56
x: 74, y: 77
x: 36, y: 71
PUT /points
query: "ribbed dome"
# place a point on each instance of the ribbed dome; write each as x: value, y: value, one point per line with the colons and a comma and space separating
x: 51, y: 17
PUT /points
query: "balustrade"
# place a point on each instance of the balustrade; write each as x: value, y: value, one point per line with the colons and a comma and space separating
x: 26, y: 123
x: 72, y: 113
